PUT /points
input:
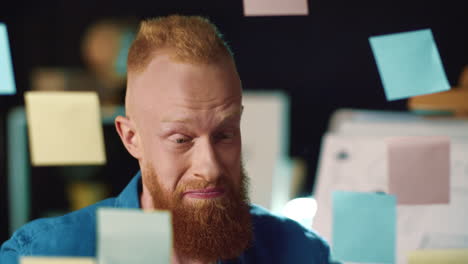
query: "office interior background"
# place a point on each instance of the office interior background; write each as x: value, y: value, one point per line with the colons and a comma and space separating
x: 322, y: 61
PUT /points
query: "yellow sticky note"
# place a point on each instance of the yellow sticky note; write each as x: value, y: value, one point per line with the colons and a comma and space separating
x: 65, y: 128
x: 56, y: 260
x: 437, y: 256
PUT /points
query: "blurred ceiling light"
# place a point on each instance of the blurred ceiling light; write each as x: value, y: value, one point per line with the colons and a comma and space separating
x: 301, y: 210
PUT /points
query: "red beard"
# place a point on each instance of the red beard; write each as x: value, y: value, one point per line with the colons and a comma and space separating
x: 206, y: 230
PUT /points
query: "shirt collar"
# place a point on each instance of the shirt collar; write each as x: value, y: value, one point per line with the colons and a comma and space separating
x: 130, y: 196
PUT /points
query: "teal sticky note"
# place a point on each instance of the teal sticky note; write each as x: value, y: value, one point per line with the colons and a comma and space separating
x: 125, y: 42
x: 7, y: 79
x: 409, y: 64
x: 364, y: 226
x: 133, y: 236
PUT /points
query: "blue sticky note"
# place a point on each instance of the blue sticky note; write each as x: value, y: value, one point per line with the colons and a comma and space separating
x: 364, y: 226
x: 7, y: 79
x: 409, y: 64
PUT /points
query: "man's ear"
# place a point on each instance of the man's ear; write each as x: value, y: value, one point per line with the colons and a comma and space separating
x: 129, y: 136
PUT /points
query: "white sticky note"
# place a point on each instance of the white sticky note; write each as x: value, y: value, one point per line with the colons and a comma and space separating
x: 57, y: 260
x: 275, y: 7
x: 133, y: 236
x: 263, y: 152
x: 7, y: 79
x: 65, y: 128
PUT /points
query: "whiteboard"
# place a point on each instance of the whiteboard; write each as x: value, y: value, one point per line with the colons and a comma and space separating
x: 387, y: 123
x: 359, y: 163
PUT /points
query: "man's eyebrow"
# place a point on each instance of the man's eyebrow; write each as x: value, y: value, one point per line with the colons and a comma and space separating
x: 233, y: 113
x: 176, y: 120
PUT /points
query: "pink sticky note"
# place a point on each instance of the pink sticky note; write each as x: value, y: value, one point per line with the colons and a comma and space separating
x: 419, y: 169
x: 275, y: 7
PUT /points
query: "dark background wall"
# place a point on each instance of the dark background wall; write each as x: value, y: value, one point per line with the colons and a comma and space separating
x: 323, y: 60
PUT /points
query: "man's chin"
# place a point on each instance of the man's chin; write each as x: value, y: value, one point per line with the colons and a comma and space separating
x: 211, y: 229
x: 204, y: 196
x: 209, y: 226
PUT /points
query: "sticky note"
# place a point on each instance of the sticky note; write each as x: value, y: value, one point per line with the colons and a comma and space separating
x: 133, y: 236
x: 363, y: 227
x: 409, y: 64
x: 419, y: 169
x: 121, y: 62
x: 275, y: 7
x: 7, y: 79
x: 57, y: 260
x: 65, y: 128
x: 437, y: 256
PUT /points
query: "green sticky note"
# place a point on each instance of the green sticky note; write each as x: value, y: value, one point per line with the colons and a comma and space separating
x: 409, y: 64
x: 364, y: 226
x: 7, y: 79
x: 133, y: 236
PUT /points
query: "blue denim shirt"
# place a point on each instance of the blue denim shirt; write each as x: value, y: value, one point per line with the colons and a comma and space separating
x: 276, y: 239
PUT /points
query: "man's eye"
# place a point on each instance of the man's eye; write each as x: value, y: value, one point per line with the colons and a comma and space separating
x: 179, y: 139
x: 225, y: 136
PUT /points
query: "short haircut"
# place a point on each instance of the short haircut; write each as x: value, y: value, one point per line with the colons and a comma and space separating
x: 190, y: 39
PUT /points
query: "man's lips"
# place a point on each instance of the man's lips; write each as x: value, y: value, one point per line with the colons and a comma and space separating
x: 207, y: 193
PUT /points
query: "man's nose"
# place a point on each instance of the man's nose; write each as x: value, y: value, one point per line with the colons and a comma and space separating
x: 206, y: 161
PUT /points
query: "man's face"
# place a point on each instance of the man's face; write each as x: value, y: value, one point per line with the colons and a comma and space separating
x: 188, y: 124
x: 188, y: 119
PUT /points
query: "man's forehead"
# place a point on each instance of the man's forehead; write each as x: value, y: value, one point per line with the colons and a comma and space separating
x: 165, y: 82
x: 165, y: 60
x: 234, y: 112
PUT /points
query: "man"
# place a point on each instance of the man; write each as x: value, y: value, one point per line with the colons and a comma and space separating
x: 182, y: 124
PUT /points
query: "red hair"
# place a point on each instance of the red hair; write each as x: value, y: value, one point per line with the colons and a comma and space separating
x: 191, y: 39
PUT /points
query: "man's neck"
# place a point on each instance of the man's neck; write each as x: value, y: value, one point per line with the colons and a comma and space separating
x: 146, y: 200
